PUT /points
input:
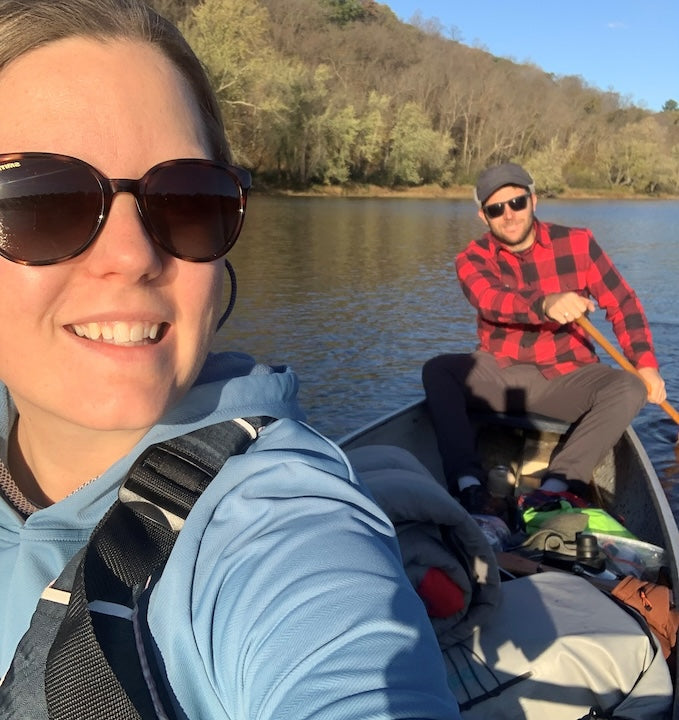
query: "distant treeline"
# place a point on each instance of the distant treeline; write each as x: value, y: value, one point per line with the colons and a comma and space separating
x: 341, y: 91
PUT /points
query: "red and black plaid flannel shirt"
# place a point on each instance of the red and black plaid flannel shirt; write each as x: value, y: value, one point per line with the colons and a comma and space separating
x: 508, y: 290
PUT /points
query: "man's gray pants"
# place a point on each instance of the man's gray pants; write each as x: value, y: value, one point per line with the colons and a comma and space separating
x: 598, y: 400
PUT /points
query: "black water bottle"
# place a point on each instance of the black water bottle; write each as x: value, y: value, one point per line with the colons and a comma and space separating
x: 588, y: 553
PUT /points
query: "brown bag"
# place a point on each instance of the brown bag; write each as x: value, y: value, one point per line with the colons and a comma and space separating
x: 656, y: 604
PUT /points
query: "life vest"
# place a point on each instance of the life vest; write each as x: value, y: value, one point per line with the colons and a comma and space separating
x: 88, y: 653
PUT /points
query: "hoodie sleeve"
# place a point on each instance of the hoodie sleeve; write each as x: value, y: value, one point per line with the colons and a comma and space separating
x: 288, y: 600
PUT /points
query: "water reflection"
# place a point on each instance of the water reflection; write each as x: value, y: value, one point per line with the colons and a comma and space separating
x: 356, y: 294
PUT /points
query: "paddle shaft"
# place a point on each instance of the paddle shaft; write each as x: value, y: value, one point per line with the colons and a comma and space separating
x: 624, y: 363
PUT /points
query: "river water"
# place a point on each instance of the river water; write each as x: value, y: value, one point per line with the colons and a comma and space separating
x: 356, y: 293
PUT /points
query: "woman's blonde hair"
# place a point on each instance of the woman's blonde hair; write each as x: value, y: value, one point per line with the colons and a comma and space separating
x: 29, y: 24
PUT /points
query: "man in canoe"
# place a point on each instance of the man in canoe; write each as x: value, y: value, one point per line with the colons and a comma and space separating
x: 530, y: 281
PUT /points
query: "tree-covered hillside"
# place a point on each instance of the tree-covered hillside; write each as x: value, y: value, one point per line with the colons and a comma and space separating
x: 341, y: 91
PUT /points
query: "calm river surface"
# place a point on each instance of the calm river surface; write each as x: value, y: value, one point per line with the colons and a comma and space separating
x: 355, y: 294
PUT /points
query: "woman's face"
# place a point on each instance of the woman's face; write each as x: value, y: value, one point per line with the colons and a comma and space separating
x: 122, y: 107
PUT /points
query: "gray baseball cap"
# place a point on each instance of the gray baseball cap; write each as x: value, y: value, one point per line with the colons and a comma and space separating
x: 497, y: 176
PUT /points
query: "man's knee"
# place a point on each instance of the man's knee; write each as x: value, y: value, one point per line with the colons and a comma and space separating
x: 444, y: 368
x: 630, y: 390
x: 431, y: 369
x: 637, y: 391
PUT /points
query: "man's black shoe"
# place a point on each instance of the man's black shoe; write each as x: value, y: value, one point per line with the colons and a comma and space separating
x: 474, y: 499
x: 581, y: 489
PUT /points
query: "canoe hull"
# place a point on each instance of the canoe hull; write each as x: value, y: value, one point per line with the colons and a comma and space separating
x: 625, y: 479
x: 624, y: 482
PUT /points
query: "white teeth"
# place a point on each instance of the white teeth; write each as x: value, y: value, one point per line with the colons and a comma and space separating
x: 119, y: 333
x: 136, y: 333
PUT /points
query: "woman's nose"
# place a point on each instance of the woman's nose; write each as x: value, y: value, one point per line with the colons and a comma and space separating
x: 123, y: 245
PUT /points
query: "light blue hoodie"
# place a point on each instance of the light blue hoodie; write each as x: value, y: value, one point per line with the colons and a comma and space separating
x: 284, y: 597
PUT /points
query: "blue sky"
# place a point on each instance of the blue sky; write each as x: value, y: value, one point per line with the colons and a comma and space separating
x: 628, y: 46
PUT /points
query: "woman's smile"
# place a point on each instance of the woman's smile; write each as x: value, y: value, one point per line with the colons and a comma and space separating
x: 121, y: 332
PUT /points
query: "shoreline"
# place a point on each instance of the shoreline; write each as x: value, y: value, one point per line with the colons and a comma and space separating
x: 436, y: 192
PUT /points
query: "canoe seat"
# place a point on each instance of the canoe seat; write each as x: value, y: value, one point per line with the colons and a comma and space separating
x: 525, y: 421
x: 527, y: 451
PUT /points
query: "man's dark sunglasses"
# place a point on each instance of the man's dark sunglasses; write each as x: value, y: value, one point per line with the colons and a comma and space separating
x: 496, y: 210
x: 52, y: 207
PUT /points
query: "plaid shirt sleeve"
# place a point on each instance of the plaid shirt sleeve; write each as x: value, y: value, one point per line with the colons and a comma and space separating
x: 484, y: 282
x: 622, y: 306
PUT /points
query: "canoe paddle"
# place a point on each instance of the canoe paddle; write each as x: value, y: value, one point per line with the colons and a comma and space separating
x: 624, y: 363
